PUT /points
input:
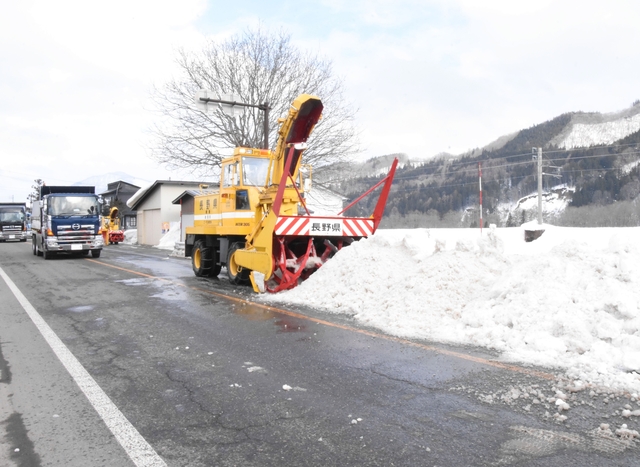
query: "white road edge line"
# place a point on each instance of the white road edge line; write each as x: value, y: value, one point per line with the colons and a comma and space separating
x: 140, y: 452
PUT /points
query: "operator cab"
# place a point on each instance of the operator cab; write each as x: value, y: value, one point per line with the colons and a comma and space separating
x: 247, y: 168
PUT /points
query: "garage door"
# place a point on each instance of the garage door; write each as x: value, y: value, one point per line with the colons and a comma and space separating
x: 152, y: 231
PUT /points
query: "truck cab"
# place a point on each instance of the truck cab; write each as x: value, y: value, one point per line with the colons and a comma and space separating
x: 13, y: 222
x: 66, y: 220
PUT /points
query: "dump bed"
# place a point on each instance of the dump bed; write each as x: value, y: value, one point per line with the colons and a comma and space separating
x: 47, y: 190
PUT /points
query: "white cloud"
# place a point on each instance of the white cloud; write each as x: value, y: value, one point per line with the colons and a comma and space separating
x: 76, y: 89
x: 130, y: 38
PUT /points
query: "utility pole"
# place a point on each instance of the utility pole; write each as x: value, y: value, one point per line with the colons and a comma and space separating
x: 539, y: 186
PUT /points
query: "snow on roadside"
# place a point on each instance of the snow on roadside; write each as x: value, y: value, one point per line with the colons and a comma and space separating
x: 131, y: 237
x: 569, y: 300
x: 169, y: 239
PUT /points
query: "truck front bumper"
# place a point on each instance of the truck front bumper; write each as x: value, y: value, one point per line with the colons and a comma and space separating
x: 22, y: 236
x: 53, y: 245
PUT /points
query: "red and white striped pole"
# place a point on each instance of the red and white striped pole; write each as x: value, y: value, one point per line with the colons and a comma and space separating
x: 480, y: 184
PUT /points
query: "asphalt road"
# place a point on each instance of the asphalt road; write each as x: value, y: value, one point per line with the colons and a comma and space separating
x: 154, y: 367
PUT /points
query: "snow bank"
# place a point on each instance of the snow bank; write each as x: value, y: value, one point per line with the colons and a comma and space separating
x: 169, y: 239
x: 131, y: 237
x: 569, y: 300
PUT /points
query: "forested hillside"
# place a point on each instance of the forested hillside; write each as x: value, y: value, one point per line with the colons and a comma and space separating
x: 599, y: 184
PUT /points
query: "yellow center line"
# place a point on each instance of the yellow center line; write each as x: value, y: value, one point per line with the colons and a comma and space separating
x: 460, y: 355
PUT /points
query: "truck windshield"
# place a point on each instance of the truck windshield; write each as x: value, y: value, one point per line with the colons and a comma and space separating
x: 73, y: 205
x: 11, y: 215
x: 254, y: 171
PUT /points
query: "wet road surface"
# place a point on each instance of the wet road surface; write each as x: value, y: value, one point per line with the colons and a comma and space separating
x: 208, y: 376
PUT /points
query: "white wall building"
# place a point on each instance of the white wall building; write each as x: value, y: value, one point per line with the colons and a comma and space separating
x: 155, y: 209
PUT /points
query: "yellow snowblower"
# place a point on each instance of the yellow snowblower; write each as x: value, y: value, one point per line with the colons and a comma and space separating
x: 111, y: 232
x: 257, y: 223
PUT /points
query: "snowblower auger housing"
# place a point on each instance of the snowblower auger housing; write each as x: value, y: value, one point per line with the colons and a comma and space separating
x: 252, y: 223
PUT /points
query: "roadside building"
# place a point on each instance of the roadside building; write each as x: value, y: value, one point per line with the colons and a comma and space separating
x: 155, y: 209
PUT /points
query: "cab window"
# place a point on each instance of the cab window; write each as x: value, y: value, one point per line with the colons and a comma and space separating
x: 254, y: 171
x: 242, y: 200
x: 227, y: 175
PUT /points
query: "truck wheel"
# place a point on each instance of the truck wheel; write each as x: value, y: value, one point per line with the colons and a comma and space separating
x: 215, y: 258
x: 95, y: 253
x: 34, y: 248
x: 201, y: 259
x: 237, y: 274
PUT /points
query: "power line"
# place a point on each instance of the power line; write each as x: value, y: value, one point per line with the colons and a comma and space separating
x: 413, y: 189
x: 438, y: 169
x: 475, y: 182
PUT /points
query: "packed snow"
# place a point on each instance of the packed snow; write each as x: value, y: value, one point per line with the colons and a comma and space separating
x: 131, y: 237
x: 169, y: 239
x: 139, y: 194
x: 569, y: 300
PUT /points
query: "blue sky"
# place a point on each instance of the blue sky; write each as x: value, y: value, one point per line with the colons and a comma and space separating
x: 425, y: 76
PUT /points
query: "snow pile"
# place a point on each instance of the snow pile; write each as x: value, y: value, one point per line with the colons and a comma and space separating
x: 585, y: 134
x: 570, y: 299
x: 130, y: 237
x: 169, y: 239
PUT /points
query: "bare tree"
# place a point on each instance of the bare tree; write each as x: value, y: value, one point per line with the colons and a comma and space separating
x: 259, y: 68
x: 35, y: 193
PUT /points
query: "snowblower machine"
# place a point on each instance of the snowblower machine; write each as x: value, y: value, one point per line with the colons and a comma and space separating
x: 111, y: 231
x: 257, y: 223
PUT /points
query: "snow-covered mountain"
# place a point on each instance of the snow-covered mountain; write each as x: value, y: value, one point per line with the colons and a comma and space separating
x: 568, y: 131
x: 573, y: 130
x: 572, y: 167
x: 596, y: 129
